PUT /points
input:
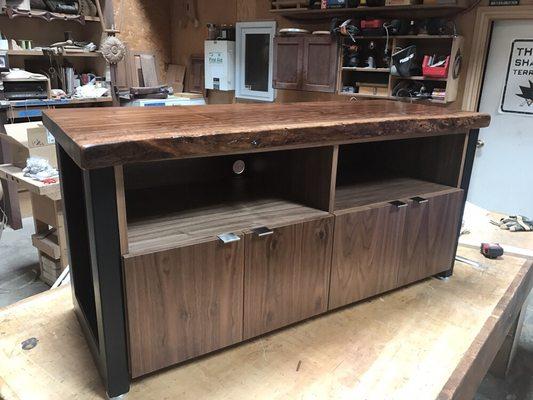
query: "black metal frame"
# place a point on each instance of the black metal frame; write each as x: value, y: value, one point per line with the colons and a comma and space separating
x: 465, y: 184
x: 90, y: 209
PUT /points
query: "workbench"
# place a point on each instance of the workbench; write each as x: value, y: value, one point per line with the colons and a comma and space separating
x: 201, y: 227
x: 432, y: 340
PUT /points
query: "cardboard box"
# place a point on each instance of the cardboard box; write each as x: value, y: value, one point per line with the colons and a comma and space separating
x: 30, y: 139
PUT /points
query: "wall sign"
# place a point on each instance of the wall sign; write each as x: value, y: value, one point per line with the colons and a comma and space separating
x: 504, y: 2
x: 518, y: 90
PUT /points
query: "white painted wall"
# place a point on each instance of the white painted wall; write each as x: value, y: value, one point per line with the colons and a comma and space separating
x: 502, y: 178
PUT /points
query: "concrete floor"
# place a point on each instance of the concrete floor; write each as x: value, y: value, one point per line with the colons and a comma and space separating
x: 19, y: 266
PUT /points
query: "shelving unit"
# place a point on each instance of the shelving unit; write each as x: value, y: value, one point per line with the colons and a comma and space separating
x: 381, y: 77
x: 407, y: 11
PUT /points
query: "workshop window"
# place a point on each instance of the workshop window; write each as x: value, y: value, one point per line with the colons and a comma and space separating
x: 254, y: 67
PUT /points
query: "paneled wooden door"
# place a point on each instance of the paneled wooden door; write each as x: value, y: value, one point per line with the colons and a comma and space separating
x: 182, y: 303
x: 288, y: 62
x: 431, y: 228
x: 366, y: 253
x: 320, y: 60
x: 286, y: 275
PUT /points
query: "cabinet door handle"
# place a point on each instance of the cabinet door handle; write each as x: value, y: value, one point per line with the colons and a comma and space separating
x: 262, y: 231
x: 228, y: 238
x: 398, y: 204
x: 419, y: 200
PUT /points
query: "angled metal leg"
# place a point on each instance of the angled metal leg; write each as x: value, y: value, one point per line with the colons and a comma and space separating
x: 89, y: 202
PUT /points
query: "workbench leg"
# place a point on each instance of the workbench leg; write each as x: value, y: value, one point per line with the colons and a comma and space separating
x: 90, y: 209
x: 11, y: 203
x: 468, y: 164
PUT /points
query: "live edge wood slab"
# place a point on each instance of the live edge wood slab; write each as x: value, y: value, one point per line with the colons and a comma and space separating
x: 104, y: 137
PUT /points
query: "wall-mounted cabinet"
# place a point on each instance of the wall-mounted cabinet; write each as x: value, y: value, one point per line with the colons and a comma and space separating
x: 306, y: 62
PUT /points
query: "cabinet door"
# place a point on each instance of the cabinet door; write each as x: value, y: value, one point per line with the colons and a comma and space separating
x: 320, y: 64
x: 287, y: 273
x: 183, y: 303
x: 366, y: 251
x: 430, y: 236
x: 288, y: 62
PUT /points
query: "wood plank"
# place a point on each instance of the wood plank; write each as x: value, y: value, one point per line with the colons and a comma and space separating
x: 47, y: 243
x: 287, y: 275
x: 404, y: 345
x: 202, y: 224
x: 204, y: 285
x: 149, y: 70
x: 113, y: 136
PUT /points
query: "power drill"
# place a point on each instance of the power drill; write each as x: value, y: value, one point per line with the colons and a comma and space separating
x: 491, y: 250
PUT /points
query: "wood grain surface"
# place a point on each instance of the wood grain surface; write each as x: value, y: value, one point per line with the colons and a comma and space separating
x: 434, y: 339
x: 195, y: 225
x: 286, y: 275
x: 111, y: 136
x: 366, y: 252
x: 183, y: 303
x: 430, y: 236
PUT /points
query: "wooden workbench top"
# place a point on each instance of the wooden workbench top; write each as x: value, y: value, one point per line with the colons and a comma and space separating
x: 101, y: 137
x: 431, y: 340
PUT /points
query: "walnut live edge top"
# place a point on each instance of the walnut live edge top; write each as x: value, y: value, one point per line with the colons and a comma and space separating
x: 103, y: 137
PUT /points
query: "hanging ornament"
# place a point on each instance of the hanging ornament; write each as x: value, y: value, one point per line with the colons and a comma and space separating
x: 113, y: 50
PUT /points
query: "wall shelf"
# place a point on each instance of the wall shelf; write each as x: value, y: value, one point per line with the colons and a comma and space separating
x: 39, y: 53
x: 410, y: 11
x: 47, y: 16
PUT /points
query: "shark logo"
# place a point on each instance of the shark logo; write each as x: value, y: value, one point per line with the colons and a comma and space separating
x: 527, y: 93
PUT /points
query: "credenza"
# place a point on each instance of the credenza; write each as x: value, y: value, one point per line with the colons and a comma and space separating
x: 191, y: 229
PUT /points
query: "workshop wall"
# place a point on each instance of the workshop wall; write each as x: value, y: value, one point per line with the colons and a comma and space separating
x: 145, y: 27
x: 187, y: 40
x: 465, y: 25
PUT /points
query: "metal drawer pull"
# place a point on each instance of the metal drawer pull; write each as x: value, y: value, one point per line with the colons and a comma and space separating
x: 228, y: 238
x: 398, y: 204
x: 262, y: 231
x: 419, y: 199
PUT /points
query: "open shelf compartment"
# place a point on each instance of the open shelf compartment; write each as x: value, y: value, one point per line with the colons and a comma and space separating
x: 183, y: 202
x: 404, y: 169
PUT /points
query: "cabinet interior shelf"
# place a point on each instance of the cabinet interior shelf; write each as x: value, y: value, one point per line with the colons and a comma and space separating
x: 419, y: 78
x: 382, y: 191
x: 196, y: 225
x: 407, y: 11
x: 363, y: 69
